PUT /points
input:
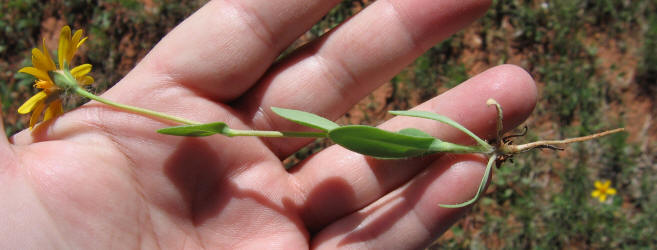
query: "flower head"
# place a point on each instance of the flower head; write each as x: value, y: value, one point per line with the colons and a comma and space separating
x: 602, y: 190
x: 43, y: 67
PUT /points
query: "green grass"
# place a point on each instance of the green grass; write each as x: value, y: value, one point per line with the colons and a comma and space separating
x: 647, y: 69
x: 542, y: 199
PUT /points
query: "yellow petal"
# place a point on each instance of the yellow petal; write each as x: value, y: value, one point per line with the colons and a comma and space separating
x: 73, y: 45
x: 31, y: 103
x: 40, y: 61
x: 81, y: 70
x: 611, y: 191
x: 47, y: 53
x: 37, y: 113
x: 86, y: 80
x: 81, y: 42
x: 54, y: 109
x: 606, y: 184
x: 40, y: 74
x: 76, y: 37
x: 598, y: 184
x: 595, y: 193
x: 603, y: 197
x: 64, y: 44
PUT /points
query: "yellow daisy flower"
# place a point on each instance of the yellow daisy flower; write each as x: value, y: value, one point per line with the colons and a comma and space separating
x: 602, y: 190
x: 42, y: 66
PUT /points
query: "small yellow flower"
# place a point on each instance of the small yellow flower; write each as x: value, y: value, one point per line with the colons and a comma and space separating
x: 602, y: 190
x: 42, y: 65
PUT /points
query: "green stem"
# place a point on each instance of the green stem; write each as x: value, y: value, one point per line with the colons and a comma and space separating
x: 232, y: 132
x: 448, y: 147
x: 260, y: 133
x: 82, y: 92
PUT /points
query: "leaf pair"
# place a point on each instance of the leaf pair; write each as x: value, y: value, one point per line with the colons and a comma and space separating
x: 366, y: 140
x: 383, y: 144
x: 197, y: 130
x: 207, y: 129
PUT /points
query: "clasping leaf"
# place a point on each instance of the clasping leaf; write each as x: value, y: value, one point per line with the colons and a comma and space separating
x: 197, y: 130
x: 383, y: 144
x: 414, y: 132
x: 306, y: 119
x: 443, y: 119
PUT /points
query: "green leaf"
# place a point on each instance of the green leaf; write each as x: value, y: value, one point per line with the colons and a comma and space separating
x: 306, y: 119
x: 441, y: 146
x: 380, y: 143
x: 443, y: 119
x: 197, y: 130
x: 414, y: 132
x: 480, y: 190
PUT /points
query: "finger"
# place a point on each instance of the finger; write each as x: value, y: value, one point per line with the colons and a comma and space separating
x: 4, y: 143
x: 225, y: 46
x: 218, y: 52
x: 365, y: 179
x: 409, y: 217
x: 332, y: 74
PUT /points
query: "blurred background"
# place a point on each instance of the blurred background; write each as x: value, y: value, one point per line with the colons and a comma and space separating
x: 595, y: 62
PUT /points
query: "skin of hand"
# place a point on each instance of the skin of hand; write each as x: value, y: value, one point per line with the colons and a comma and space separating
x: 98, y: 177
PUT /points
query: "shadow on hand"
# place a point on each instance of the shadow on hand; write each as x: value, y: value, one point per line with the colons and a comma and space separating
x: 206, y: 190
x: 374, y: 221
x: 206, y: 186
x: 202, y: 185
x: 327, y: 196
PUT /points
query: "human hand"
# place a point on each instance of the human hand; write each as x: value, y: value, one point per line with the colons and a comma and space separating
x: 97, y: 177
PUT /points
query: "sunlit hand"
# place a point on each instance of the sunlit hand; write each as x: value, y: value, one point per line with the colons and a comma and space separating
x: 97, y: 177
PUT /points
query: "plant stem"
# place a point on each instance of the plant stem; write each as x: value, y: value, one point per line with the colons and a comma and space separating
x: 232, y: 132
x: 448, y: 147
x: 500, y: 116
x: 82, y: 92
x: 261, y: 133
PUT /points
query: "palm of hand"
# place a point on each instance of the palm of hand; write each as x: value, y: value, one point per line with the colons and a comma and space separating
x: 101, y: 177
